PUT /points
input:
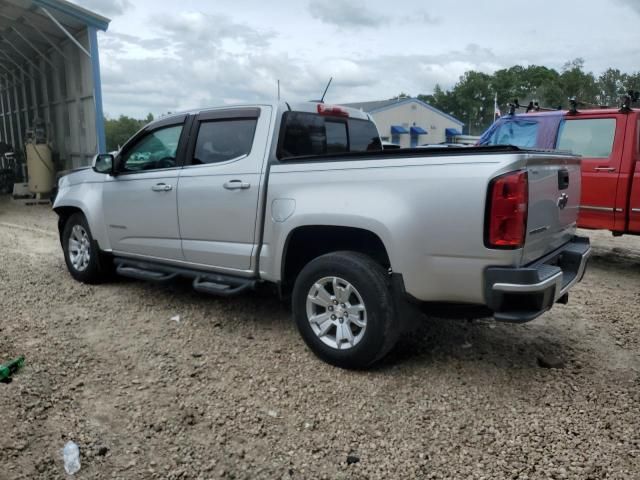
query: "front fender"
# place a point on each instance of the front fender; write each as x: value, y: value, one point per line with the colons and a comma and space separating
x: 86, y: 197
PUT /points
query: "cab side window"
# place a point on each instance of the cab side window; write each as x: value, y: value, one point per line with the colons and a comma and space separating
x: 153, y: 151
x: 591, y: 137
x: 222, y: 140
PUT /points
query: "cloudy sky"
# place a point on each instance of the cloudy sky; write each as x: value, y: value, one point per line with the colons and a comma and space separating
x: 167, y: 55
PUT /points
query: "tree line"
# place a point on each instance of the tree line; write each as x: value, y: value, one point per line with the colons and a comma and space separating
x: 471, y: 99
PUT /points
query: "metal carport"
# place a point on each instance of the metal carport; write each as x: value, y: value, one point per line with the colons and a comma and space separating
x: 49, y: 69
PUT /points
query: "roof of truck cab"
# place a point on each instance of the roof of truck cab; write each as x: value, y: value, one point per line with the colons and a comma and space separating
x: 310, y: 107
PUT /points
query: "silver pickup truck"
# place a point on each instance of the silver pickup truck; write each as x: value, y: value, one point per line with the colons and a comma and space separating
x: 302, y: 197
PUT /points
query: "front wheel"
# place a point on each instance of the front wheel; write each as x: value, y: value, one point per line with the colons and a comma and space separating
x: 84, y: 260
x: 344, y: 309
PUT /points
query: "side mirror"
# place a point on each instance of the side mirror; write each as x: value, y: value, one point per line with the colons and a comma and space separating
x: 104, y: 163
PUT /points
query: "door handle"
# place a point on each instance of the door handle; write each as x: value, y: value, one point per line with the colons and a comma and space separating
x: 236, y: 185
x: 161, y: 187
x: 605, y: 169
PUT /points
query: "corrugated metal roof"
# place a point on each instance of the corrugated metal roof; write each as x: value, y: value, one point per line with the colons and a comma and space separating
x: 26, y: 31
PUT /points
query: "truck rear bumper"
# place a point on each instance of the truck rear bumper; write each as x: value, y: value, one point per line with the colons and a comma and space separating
x: 522, y: 294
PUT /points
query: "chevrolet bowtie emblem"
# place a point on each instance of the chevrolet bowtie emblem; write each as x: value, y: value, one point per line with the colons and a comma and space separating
x: 562, y: 201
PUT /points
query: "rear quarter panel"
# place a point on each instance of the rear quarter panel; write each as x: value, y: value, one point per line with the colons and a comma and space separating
x: 428, y: 212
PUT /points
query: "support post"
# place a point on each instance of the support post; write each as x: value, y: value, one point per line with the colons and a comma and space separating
x: 17, y: 110
x: 4, y: 115
x: 97, y: 89
x: 11, y: 133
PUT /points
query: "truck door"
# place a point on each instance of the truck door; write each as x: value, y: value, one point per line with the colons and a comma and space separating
x: 599, y: 139
x: 139, y: 203
x: 219, y: 188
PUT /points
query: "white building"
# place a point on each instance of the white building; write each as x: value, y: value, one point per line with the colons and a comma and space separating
x: 410, y: 122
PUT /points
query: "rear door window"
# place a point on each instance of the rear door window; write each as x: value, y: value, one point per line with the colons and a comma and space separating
x: 222, y: 140
x: 590, y: 137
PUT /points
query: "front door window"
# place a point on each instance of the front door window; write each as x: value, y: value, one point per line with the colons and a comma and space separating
x: 154, y: 151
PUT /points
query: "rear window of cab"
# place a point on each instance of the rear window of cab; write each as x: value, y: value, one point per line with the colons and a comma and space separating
x: 310, y: 134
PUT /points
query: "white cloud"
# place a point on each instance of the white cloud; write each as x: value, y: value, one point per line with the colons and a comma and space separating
x: 109, y: 8
x: 161, y: 57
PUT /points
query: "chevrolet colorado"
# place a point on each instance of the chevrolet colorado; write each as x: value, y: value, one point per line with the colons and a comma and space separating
x: 304, y: 197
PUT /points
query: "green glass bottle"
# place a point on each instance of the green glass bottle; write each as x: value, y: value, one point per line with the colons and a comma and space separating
x: 9, y: 368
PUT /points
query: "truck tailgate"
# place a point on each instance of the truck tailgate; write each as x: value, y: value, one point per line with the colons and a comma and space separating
x: 554, y: 200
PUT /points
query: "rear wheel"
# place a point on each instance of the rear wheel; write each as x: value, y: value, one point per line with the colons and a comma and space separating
x: 84, y: 260
x: 344, y: 309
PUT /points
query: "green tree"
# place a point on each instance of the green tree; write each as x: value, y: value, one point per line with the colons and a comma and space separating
x: 576, y: 83
x: 471, y: 98
x: 612, y: 84
x: 118, y: 131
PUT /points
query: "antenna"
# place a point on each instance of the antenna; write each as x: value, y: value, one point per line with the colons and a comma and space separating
x: 278, y: 89
x: 325, y: 90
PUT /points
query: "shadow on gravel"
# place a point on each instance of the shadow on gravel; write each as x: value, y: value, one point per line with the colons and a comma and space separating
x: 261, y: 303
x: 507, y: 346
x: 617, y: 258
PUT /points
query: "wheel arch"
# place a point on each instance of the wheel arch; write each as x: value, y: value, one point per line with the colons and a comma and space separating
x: 64, y: 213
x: 304, y: 243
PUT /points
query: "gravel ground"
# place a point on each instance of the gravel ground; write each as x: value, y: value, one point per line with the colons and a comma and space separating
x: 230, y: 391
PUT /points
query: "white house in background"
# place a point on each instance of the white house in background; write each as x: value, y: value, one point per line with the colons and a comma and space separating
x: 410, y: 122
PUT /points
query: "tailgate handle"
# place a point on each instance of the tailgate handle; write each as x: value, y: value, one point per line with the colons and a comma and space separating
x: 563, y: 179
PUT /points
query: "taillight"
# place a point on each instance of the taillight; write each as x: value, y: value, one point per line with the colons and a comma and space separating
x: 332, y: 111
x: 506, y: 220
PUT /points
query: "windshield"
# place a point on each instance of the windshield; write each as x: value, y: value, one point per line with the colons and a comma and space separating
x: 521, y: 133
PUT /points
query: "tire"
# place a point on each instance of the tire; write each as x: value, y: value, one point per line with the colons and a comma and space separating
x: 94, y: 267
x: 370, y: 303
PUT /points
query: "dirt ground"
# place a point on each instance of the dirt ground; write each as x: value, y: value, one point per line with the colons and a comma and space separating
x: 230, y: 391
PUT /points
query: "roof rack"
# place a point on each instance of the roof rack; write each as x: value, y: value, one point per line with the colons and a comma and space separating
x: 531, y: 107
x: 630, y: 98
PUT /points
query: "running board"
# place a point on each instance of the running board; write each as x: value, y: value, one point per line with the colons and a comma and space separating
x: 204, y: 285
x: 142, y: 274
x: 205, y: 282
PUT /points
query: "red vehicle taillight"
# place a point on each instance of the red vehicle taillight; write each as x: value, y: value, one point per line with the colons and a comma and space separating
x: 508, y: 202
x: 332, y: 110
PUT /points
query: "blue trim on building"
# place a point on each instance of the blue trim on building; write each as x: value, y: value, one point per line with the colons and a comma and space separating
x: 416, y: 130
x: 419, y: 102
x: 398, y: 129
x: 452, y: 132
x: 79, y: 14
x: 97, y: 89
